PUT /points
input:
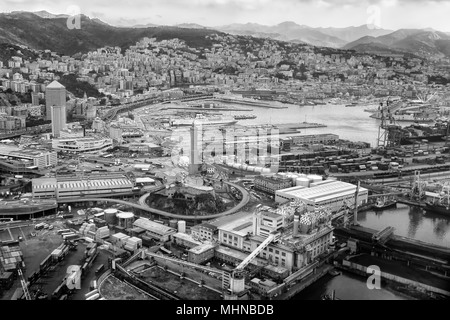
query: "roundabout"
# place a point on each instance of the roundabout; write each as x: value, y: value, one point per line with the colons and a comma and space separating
x: 143, y: 206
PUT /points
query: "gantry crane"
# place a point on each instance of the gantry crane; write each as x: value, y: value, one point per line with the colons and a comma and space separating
x: 24, y: 285
x: 389, y: 133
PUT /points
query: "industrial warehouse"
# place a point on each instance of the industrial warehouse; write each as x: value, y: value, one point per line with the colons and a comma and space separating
x: 66, y: 187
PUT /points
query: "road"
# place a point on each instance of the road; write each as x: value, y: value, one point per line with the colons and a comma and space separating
x: 143, y: 206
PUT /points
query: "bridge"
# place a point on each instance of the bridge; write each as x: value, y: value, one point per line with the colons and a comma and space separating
x: 30, y: 130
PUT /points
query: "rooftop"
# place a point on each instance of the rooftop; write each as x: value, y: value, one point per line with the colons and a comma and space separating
x: 153, y: 226
x: 322, y: 191
x: 55, y: 85
x: 202, y: 248
x: 241, y: 226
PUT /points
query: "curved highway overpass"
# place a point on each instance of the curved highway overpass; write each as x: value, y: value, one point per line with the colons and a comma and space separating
x: 143, y: 206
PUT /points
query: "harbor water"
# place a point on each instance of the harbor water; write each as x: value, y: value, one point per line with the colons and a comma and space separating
x: 350, y: 123
x: 353, y: 123
x: 411, y: 222
x: 347, y: 286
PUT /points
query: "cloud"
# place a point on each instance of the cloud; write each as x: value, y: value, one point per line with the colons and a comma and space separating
x: 339, y: 13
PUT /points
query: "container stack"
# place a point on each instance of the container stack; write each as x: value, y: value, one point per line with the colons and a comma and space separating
x: 10, y: 257
x: 102, y: 233
x: 132, y: 244
x: 86, y: 228
x: 119, y: 239
x: 59, y: 253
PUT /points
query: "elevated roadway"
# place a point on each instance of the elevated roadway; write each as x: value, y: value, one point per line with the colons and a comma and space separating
x: 144, y: 206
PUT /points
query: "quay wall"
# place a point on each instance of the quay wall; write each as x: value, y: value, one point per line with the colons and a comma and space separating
x: 296, y: 288
x: 362, y: 270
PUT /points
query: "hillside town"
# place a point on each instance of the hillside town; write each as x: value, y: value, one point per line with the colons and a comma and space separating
x: 157, y: 171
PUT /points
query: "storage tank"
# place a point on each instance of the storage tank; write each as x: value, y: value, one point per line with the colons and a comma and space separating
x: 182, y: 226
x: 283, y: 174
x: 110, y: 216
x: 302, y: 181
x: 125, y: 219
x: 258, y: 169
x: 294, y: 178
x: 244, y: 167
x: 173, y: 223
x: 251, y: 168
x: 265, y: 170
x: 314, y: 178
x: 305, y: 223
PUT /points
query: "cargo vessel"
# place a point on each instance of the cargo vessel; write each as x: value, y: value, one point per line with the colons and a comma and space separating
x: 437, y: 208
x: 244, y: 116
x: 440, y: 205
x: 206, y: 121
x: 382, y: 204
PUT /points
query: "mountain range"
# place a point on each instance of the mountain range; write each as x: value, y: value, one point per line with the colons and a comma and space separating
x: 423, y: 42
x: 44, y: 30
x: 40, y: 32
x: 289, y: 31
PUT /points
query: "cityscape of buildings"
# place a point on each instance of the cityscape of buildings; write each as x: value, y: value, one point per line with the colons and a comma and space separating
x: 143, y: 164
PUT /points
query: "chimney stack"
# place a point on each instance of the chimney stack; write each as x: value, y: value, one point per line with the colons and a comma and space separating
x: 296, y: 223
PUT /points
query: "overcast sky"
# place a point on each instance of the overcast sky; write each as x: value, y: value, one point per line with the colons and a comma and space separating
x: 388, y: 14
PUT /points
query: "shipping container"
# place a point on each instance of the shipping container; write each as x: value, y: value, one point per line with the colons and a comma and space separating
x: 99, y: 269
x: 91, y: 293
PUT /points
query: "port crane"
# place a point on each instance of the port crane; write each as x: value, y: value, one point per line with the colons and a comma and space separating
x: 388, y: 131
x: 24, y: 285
x: 236, y: 279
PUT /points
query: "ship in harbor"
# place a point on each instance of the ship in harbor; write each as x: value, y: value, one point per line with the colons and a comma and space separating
x: 440, y: 204
x: 244, y: 116
x: 203, y: 120
x: 383, y: 203
x: 412, y: 110
x: 432, y: 197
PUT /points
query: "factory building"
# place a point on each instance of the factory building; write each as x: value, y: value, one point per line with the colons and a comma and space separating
x: 155, y: 230
x: 69, y: 187
x: 205, y: 231
x: 184, y: 240
x: 234, y: 233
x: 29, y: 158
x: 93, y: 143
x: 302, y: 235
x: 329, y: 194
x: 315, y: 138
x: 234, y: 257
x: 272, y: 184
x: 201, y: 253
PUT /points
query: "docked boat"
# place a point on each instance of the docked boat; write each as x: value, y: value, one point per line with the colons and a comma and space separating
x: 382, y: 204
x: 437, y: 208
x: 244, y: 116
x: 206, y: 121
x: 352, y: 104
x: 440, y: 205
x: 404, y: 117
